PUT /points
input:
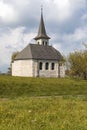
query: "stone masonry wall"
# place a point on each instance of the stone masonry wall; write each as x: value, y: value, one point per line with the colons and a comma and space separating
x: 22, y: 68
x: 59, y: 71
x: 30, y: 68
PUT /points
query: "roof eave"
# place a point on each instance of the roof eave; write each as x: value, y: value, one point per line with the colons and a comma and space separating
x: 40, y: 37
x: 37, y: 59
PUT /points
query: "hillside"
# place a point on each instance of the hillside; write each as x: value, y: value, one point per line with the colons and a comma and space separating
x: 18, y: 86
x: 42, y: 104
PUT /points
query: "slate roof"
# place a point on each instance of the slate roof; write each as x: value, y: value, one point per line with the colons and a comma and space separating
x: 39, y: 52
x: 42, y: 31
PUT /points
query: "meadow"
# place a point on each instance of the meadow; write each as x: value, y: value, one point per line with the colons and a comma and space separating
x: 43, y: 103
x: 18, y: 86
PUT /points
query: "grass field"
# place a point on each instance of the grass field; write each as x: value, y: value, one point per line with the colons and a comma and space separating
x: 42, y: 104
x: 16, y: 87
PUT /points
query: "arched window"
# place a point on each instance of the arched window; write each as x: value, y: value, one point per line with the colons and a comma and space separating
x: 40, y: 65
x: 46, y: 43
x: 52, y: 66
x: 47, y: 66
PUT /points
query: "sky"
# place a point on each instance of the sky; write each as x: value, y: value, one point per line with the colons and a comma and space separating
x: 65, y: 22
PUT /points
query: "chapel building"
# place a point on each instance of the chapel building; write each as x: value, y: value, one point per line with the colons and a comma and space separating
x: 39, y: 59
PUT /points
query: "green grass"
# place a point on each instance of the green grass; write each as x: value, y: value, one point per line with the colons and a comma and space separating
x: 44, y: 113
x: 16, y: 86
x: 43, y: 103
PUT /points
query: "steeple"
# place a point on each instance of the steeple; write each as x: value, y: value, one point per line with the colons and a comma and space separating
x: 42, y: 38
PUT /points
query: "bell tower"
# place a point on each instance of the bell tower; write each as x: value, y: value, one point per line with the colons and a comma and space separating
x: 42, y: 38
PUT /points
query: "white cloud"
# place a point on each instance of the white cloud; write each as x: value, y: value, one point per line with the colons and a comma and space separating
x: 69, y: 42
x: 19, y: 5
x: 57, y: 10
x: 62, y: 11
x: 7, y: 13
x: 20, y: 18
x: 58, y: 46
x: 11, y: 41
x: 84, y: 17
x: 73, y: 41
x: 79, y: 35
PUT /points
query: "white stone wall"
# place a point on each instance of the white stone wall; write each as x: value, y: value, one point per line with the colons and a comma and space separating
x: 62, y: 71
x: 30, y: 68
x: 22, y: 68
x: 59, y: 71
x: 49, y: 72
x: 35, y: 68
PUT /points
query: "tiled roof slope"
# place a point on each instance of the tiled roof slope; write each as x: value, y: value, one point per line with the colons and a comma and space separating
x: 39, y: 52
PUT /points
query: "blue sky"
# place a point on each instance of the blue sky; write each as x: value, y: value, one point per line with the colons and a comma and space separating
x: 65, y: 22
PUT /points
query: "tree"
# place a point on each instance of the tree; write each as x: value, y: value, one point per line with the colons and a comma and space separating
x: 13, y: 56
x: 12, y: 60
x: 78, y: 63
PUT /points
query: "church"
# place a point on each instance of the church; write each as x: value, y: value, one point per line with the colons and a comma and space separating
x: 39, y: 59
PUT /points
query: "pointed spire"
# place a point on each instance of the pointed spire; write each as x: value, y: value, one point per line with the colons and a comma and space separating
x: 42, y: 9
x: 41, y: 31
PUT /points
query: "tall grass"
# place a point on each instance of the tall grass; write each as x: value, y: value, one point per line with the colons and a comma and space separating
x: 22, y: 108
x: 43, y: 113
